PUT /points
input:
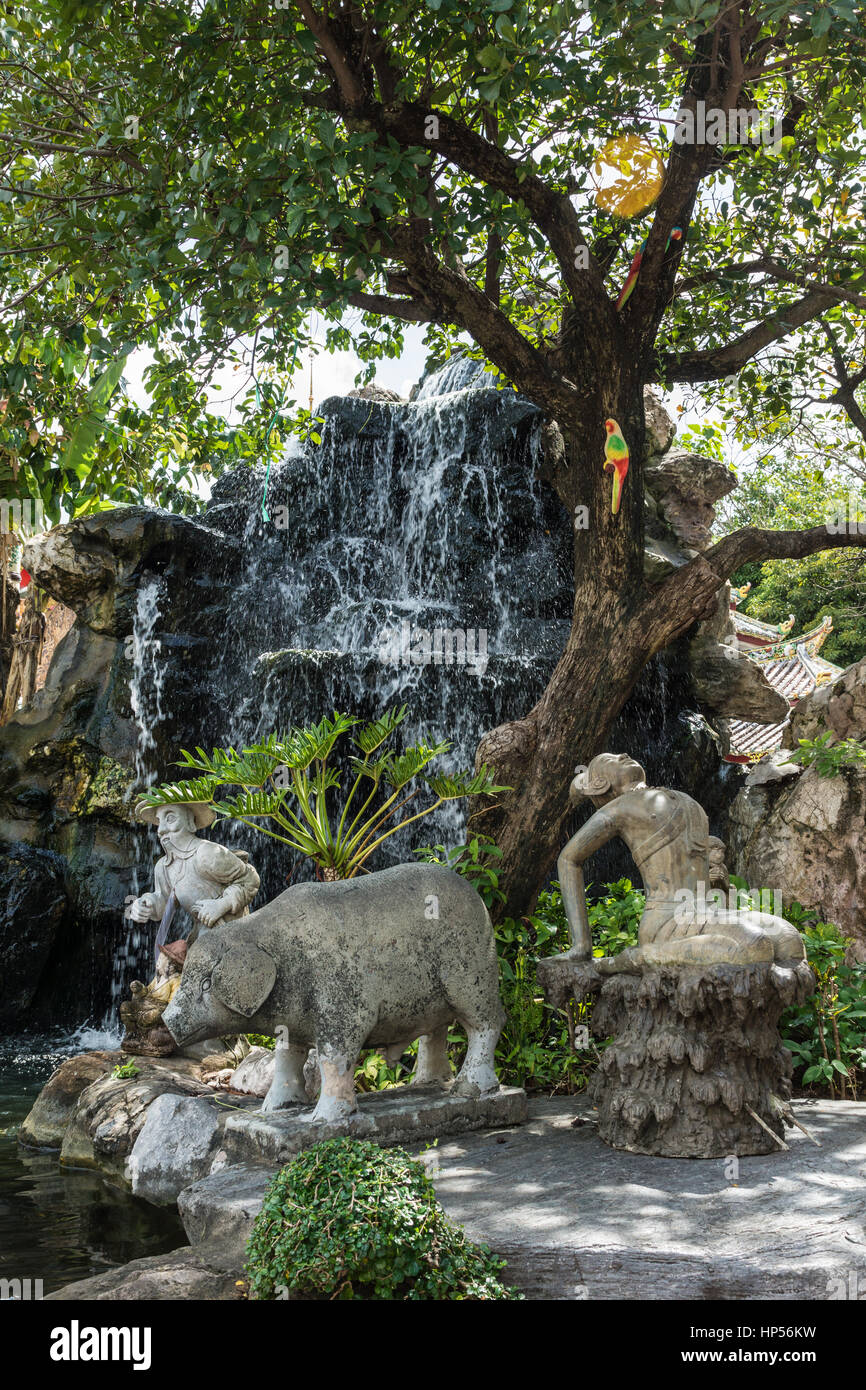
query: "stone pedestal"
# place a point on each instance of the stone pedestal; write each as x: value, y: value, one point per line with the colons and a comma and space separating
x: 402, y: 1115
x: 695, y: 1054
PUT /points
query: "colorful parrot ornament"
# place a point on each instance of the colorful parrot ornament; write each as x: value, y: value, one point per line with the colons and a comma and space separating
x: 615, y: 459
x: 634, y: 268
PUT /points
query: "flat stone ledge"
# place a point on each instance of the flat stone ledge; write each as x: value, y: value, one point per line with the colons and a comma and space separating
x: 202, y: 1273
x: 578, y: 1220
x: 403, y: 1115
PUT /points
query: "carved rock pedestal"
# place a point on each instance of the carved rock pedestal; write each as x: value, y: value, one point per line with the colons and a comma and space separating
x: 696, y: 1054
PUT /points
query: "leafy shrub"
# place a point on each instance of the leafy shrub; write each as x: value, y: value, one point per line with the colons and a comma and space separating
x: 827, y: 1033
x: 286, y: 778
x: 615, y: 917
x: 828, y: 757
x: 476, y: 861
x: 346, y: 1219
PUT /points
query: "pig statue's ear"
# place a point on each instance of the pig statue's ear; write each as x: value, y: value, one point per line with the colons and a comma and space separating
x: 242, y: 979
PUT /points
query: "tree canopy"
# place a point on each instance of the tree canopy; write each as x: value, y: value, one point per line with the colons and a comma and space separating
x: 187, y: 176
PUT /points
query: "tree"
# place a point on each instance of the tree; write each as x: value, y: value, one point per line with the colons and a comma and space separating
x: 206, y: 173
x: 801, y: 484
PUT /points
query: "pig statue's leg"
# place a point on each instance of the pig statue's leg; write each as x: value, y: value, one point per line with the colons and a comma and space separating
x: 287, y: 1087
x: 477, y: 1076
x: 433, y: 1067
x: 341, y: 1034
x: 337, y: 1071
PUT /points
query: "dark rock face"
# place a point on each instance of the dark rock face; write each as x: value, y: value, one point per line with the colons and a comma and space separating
x: 410, y: 519
x: 96, y: 565
x: 32, y: 907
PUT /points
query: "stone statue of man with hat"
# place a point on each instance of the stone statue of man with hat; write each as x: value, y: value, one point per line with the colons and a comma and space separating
x: 214, y: 884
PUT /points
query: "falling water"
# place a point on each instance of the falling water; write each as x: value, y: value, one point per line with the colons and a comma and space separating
x: 408, y: 518
x: 132, y: 948
x: 147, y: 680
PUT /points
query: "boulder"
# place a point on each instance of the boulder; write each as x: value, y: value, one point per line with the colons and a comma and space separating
x: 178, y: 1143
x: 111, y: 1112
x: 773, y: 768
x: 93, y: 565
x: 730, y: 685
x: 255, y: 1073
x: 32, y: 906
x: 45, y: 1126
x: 222, y: 1207
x: 686, y: 487
x: 726, y: 682
x: 660, y: 428
x: 374, y: 392
x: 205, y: 1273
x: 806, y: 837
x: 839, y: 707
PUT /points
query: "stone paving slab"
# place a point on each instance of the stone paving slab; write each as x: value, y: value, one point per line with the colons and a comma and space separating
x: 578, y: 1220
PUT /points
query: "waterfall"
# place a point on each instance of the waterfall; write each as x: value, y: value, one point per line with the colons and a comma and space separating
x: 133, y: 955
x: 412, y: 557
x: 147, y: 680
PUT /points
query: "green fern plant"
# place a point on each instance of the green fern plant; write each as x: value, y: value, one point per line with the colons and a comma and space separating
x: 283, y: 784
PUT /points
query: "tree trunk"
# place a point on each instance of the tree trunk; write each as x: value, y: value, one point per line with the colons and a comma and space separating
x: 26, y: 651
x: 537, y: 755
x: 8, y: 605
x: 618, y: 625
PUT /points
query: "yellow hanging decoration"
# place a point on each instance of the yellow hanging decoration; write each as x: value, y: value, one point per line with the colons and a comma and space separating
x: 628, y: 174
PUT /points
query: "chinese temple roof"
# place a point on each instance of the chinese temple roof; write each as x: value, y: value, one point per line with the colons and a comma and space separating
x: 792, y: 666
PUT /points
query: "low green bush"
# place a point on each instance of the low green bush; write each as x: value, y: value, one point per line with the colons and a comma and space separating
x: 827, y: 1033
x: 828, y: 755
x: 346, y: 1219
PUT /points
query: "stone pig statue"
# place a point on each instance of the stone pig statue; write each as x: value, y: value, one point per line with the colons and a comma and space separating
x: 370, y: 961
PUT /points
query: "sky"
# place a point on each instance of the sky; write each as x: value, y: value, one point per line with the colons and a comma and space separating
x: 333, y: 373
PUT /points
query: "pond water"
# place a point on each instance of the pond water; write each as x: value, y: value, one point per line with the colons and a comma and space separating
x: 60, y: 1224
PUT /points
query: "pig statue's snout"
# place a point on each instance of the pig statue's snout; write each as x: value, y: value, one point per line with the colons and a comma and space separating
x: 171, y: 1020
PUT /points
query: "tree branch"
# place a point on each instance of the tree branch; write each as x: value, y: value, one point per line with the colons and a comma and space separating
x: 714, y: 363
x: 412, y: 310
x: 467, y: 306
x: 669, y: 609
x: 552, y: 212
x: 752, y: 543
x: 845, y: 395
x: 350, y: 87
